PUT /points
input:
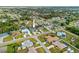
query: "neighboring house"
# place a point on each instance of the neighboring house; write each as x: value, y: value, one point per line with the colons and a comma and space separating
x: 61, y: 34
x: 77, y: 23
x: 3, y: 20
x: 50, y: 38
x: 27, y: 43
x: 15, y: 33
x: 73, y: 39
x: 32, y: 50
x: 26, y: 31
x: 55, y: 42
x: 69, y: 50
x: 59, y: 44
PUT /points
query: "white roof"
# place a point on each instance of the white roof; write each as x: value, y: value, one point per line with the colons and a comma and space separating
x: 27, y: 43
x: 59, y: 44
x: 69, y: 49
x: 25, y: 31
x: 61, y: 33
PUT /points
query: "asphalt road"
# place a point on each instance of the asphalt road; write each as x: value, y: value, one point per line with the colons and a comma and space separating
x: 45, y: 48
x: 21, y: 39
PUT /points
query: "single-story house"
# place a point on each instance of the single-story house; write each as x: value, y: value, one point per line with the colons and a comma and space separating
x: 3, y: 20
x: 69, y: 50
x: 26, y: 31
x: 61, y: 34
x: 27, y: 43
x: 59, y: 44
x: 55, y: 42
x: 15, y: 33
x: 50, y: 38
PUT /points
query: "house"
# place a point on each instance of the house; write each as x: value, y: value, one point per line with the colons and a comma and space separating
x: 59, y: 44
x: 69, y: 50
x: 3, y: 20
x: 61, y: 34
x: 26, y: 31
x: 50, y: 38
x: 77, y: 24
x: 55, y: 42
x: 15, y: 33
x: 73, y: 39
x: 27, y: 43
x: 32, y: 50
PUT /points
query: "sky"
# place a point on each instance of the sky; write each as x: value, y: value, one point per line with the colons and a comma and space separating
x: 39, y: 2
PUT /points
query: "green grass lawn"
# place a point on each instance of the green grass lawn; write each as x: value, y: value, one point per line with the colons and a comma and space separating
x: 19, y: 36
x: 72, y: 23
x: 36, y: 45
x: 69, y: 37
x: 8, y: 38
x: 40, y: 50
x: 41, y: 38
x: 33, y: 40
x: 12, y: 48
x: 22, y: 50
x: 47, y: 44
x: 54, y: 50
x: 44, y: 29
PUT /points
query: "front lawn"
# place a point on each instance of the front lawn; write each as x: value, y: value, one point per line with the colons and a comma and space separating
x: 47, y: 44
x: 36, y: 45
x: 54, y: 50
x: 22, y: 50
x: 33, y: 40
x: 41, y: 38
x: 12, y: 48
x: 19, y: 36
x: 45, y: 30
x: 8, y: 38
x: 40, y: 50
